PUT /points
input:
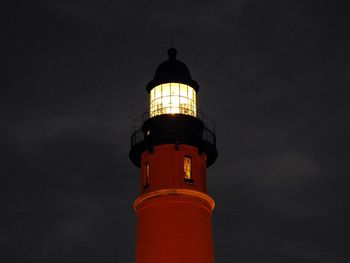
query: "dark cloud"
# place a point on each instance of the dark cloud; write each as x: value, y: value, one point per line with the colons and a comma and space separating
x: 274, y: 76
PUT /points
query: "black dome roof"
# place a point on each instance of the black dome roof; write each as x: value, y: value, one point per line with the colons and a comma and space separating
x: 172, y: 70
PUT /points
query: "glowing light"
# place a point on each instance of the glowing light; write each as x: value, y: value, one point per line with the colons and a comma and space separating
x: 172, y: 98
x: 188, y: 168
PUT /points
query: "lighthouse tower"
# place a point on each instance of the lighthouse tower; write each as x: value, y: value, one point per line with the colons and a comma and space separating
x: 173, y: 143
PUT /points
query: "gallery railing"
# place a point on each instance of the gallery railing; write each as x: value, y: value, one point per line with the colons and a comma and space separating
x: 208, y: 135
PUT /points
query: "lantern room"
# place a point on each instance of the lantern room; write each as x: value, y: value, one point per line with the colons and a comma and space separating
x: 172, y: 89
x: 171, y: 98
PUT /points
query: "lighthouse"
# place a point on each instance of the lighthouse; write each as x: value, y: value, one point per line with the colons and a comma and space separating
x: 173, y: 143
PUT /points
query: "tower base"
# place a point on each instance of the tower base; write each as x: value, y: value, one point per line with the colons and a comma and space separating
x: 174, y: 226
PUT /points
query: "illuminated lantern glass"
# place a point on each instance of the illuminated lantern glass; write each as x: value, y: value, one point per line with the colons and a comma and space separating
x: 173, y: 98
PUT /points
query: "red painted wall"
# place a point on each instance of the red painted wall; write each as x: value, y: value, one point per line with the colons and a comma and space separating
x: 166, y: 168
x: 174, y: 216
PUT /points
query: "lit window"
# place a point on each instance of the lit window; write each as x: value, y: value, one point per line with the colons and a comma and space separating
x: 172, y: 98
x: 146, y: 178
x: 188, y: 169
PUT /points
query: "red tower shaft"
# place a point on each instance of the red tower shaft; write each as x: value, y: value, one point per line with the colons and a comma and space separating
x: 173, y: 214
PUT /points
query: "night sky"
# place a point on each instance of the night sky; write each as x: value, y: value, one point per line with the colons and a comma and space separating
x: 274, y: 75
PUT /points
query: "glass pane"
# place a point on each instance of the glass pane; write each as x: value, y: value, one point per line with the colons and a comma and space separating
x: 166, y: 103
x: 183, y: 90
x: 184, y: 105
x: 175, y: 89
x: 158, y: 92
x: 157, y: 106
x: 190, y: 93
x: 166, y: 89
x: 152, y: 94
x: 174, y: 101
x: 152, y: 109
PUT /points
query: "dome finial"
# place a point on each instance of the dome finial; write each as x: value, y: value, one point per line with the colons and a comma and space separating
x: 172, y: 53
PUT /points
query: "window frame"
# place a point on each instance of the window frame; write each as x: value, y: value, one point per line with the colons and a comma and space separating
x: 146, y: 176
x: 187, y: 179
